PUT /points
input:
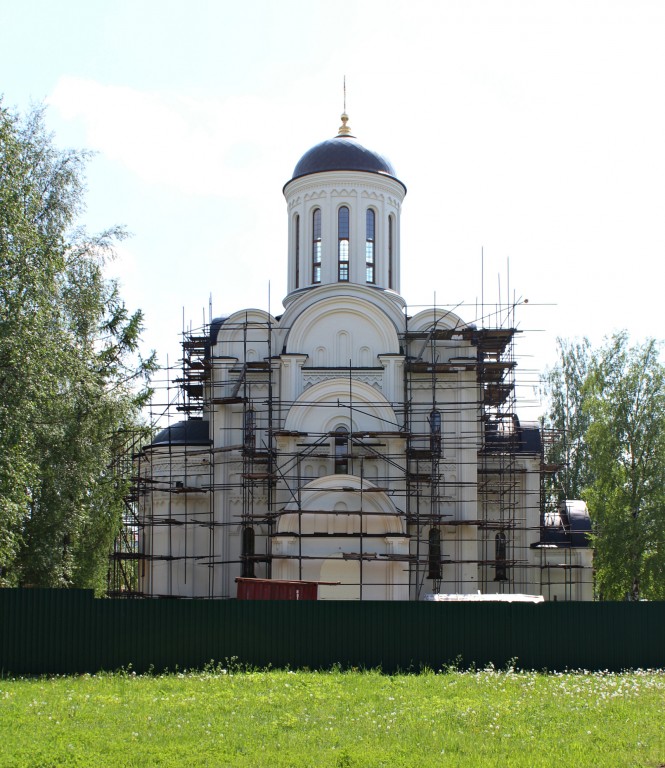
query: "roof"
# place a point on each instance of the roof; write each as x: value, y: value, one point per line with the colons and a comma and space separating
x: 190, y: 432
x: 568, y: 526
x: 215, y: 325
x: 500, y: 433
x: 530, y: 440
x: 343, y: 153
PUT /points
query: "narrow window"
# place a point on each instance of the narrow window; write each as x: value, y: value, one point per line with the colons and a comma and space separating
x: 316, y: 246
x: 370, y: 240
x: 249, y: 430
x: 247, y: 552
x: 435, y: 432
x: 297, y: 254
x: 500, y: 570
x: 390, y: 253
x: 341, y: 451
x: 434, y: 555
x: 343, y: 244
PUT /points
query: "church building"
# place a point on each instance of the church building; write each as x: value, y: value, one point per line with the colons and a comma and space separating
x: 347, y: 440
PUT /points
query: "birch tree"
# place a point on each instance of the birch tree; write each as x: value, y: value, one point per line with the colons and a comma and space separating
x: 607, y: 407
x: 71, y: 376
x: 626, y: 444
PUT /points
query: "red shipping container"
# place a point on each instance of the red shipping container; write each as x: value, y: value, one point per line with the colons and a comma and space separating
x: 274, y: 589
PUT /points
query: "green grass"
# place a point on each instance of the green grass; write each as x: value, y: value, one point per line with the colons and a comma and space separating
x: 280, y: 718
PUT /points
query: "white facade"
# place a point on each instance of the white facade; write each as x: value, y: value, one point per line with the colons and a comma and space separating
x: 346, y: 440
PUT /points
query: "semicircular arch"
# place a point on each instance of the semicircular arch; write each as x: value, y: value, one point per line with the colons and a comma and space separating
x: 245, y: 335
x: 348, y: 324
x: 347, y: 497
x: 444, y: 320
x: 325, y: 406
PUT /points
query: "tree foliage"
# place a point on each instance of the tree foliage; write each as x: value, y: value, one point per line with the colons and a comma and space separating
x: 569, y: 419
x: 72, y: 381
x: 608, y: 406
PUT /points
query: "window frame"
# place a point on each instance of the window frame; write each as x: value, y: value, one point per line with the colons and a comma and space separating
x: 249, y: 429
x: 435, y: 430
x: 341, y: 450
x: 500, y: 556
x: 296, y: 224
x: 434, y: 554
x: 343, y: 244
x: 391, y: 252
x: 317, y: 246
x: 248, y: 549
x: 370, y: 247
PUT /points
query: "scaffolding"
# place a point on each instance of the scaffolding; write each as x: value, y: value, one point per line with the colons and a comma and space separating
x: 451, y: 466
x: 126, y: 558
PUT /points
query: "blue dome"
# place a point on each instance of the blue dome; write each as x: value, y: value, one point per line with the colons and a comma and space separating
x: 192, y: 432
x: 342, y: 153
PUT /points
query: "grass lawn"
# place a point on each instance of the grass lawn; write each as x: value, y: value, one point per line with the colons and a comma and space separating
x: 278, y: 718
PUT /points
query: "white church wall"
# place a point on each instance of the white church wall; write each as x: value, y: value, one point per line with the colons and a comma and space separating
x: 175, y: 498
x: 342, y: 519
x: 566, y: 573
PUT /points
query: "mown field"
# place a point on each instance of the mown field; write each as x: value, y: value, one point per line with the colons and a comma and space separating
x: 228, y: 717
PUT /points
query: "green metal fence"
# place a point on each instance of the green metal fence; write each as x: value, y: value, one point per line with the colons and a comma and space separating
x: 68, y: 631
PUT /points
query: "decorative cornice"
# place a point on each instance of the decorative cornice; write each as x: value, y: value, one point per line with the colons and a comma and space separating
x: 346, y: 179
x: 373, y: 195
x: 343, y: 192
x: 317, y: 194
x: 372, y: 379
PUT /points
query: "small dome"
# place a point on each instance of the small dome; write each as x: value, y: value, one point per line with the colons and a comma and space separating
x: 192, y: 432
x: 342, y: 153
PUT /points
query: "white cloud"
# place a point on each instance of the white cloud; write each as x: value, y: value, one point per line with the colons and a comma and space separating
x: 196, y: 145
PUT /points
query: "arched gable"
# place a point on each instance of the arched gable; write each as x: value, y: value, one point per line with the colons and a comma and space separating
x: 450, y: 338
x: 325, y: 406
x: 338, y: 504
x: 444, y: 320
x: 354, y: 331
x: 245, y: 336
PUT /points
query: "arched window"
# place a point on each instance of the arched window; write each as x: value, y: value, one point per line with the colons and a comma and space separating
x: 434, y: 555
x: 343, y: 244
x: 247, y: 552
x: 370, y: 241
x: 435, y: 431
x: 390, y: 253
x: 500, y: 569
x: 297, y: 249
x: 249, y: 430
x: 316, y: 246
x: 341, y: 451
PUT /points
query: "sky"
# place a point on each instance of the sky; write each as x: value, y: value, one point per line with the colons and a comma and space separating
x: 530, y: 135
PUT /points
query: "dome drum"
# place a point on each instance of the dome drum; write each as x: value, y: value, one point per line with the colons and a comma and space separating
x: 371, y: 233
